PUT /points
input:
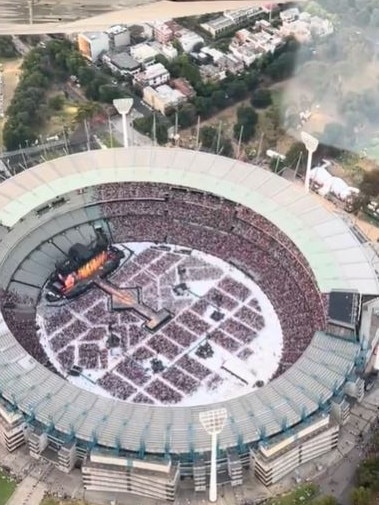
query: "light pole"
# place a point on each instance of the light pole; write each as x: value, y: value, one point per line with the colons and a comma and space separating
x: 213, y: 422
x: 311, y: 144
x: 123, y: 107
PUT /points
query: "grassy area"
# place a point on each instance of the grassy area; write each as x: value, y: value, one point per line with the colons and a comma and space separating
x: 110, y: 141
x: 302, y: 495
x: 65, y: 117
x: 7, y: 487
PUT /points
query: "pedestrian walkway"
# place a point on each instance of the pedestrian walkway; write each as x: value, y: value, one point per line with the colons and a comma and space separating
x: 29, y: 492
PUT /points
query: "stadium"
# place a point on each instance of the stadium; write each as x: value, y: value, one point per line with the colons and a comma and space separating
x: 141, y: 287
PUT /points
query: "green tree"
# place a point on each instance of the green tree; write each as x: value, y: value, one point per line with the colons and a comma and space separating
x: 7, y: 48
x: 56, y: 102
x: 208, y: 136
x: 108, y: 93
x: 247, y: 120
x: 261, y: 98
x: 87, y: 111
x: 187, y: 115
x: 361, y: 496
x: 297, y: 152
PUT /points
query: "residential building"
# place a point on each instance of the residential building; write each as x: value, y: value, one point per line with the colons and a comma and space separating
x: 321, y: 27
x: 119, y: 36
x: 183, y: 86
x: 188, y: 40
x: 154, y: 75
x: 122, y: 63
x: 300, y: 30
x: 166, y: 50
x: 290, y: 15
x: 163, y: 98
x: 144, y: 52
x: 93, y: 44
x: 246, y: 53
x: 213, y: 53
x: 162, y: 33
x: 211, y: 73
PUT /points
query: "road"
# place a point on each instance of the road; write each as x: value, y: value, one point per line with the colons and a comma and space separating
x: 18, y: 21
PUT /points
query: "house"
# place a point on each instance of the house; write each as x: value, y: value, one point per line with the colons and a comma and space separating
x: 183, y: 86
x: 166, y: 50
x: 92, y: 44
x: 154, y: 75
x: 289, y: 15
x: 300, y: 30
x: 143, y: 52
x: 188, y: 40
x: 211, y: 73
x: 122, y: 63
x: 163, y: 98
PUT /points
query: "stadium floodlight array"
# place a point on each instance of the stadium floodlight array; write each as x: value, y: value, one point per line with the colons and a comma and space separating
x: 213, y: 422
x: 311, y: 144
x: 123, y: 107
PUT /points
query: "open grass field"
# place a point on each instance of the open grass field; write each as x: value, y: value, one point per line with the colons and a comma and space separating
x: 7, y: 487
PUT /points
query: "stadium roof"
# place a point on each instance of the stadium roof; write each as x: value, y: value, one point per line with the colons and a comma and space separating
x: 337, y: 258
x: 300, y: 391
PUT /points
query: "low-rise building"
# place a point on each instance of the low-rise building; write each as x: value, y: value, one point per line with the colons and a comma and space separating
x: 218, y: 26
x: 93, y: 44
x: 163, y: 98
x: 154, y: 75
x: 144, y: 52
x: 211, y: 73
x: 162, y: 33
x: 290, y: 15
x: 122, y: 63
x: 230, y: 19
x: 167, y: 50
x: 184, y: 87
x: 188, y: 40
x: 300, y: 30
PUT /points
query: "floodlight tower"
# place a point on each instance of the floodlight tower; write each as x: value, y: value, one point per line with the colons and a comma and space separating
x: 311, y: 144
x: 123, y: 107
x: 213, y: 422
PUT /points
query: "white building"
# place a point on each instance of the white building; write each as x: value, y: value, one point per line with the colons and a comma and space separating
x: 143, y: 52
x: 218, y: 25
x: 289, y: 15
x: 166, y: 50
x: 92, y: 44
x: 321, y: 27
x: 215, y: 54
x: 188, y: 40
x: 154, y: 75
x: 163, y: 98
x: 119, y: 36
